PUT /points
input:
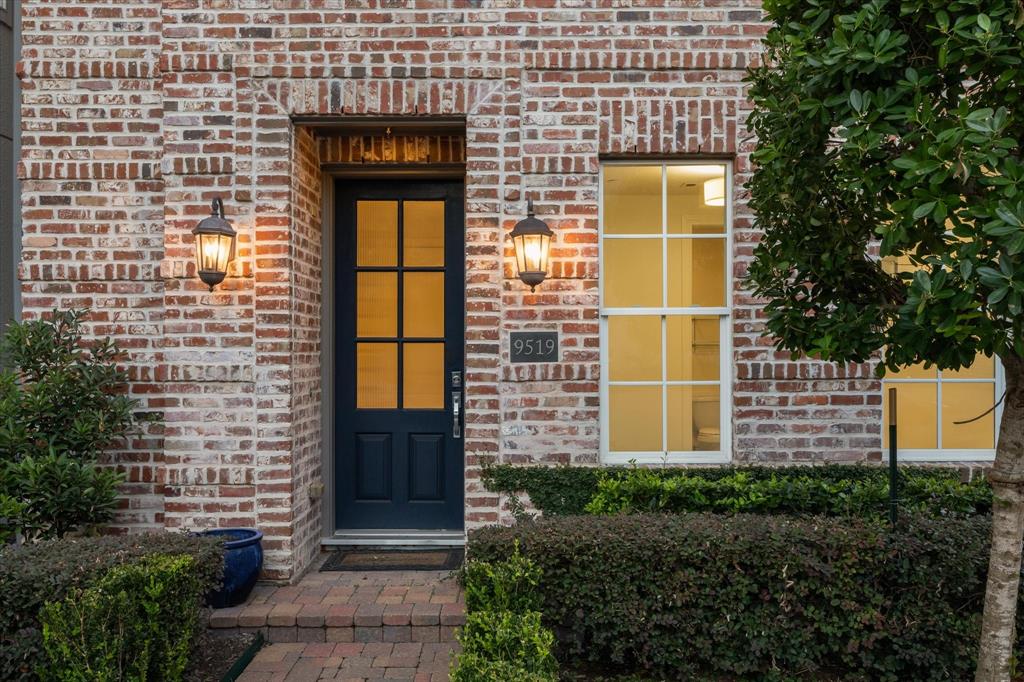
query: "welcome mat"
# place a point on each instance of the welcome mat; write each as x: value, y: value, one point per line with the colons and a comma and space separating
x: 398, y: 559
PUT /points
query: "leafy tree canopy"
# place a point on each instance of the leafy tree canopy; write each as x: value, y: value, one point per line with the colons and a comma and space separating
x: 891, y: 128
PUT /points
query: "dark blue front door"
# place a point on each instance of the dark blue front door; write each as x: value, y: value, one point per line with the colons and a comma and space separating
x: 400, y: 269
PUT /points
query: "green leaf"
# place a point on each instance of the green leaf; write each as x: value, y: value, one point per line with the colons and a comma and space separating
x: 1008, y: 216
x: 856, y: 100
x: 923, y: 210
x: 998, y: 295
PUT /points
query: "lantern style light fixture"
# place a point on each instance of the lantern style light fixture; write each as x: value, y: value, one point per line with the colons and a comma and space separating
x: 714, y: 192
x: 532, y: 240
x: 215, y: 245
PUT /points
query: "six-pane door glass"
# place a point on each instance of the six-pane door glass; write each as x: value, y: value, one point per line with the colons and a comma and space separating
x: 400, y: 286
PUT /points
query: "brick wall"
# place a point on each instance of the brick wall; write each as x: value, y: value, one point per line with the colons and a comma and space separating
x: 137, y: 113
x: 306, y: 242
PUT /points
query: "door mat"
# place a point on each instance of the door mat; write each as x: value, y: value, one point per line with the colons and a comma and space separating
x: 398, y: 559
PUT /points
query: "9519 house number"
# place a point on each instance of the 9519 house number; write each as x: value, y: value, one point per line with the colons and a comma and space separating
x: 534, y: 346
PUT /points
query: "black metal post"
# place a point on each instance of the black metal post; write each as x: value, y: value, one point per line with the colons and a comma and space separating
x: 893, y: 482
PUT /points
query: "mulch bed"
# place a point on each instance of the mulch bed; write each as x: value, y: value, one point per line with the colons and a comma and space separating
x: 215, y: 653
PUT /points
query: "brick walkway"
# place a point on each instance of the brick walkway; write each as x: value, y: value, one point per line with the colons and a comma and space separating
x: 352, y: 626
x: 351, y: 661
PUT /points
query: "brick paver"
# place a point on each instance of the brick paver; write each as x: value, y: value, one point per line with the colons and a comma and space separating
x: 375, y: 625
x: 285, y: 662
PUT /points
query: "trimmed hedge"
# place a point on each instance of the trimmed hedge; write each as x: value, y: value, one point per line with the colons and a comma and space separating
x: 758, y: 597
x: 138, y: 622
x: 49, y: 571
x: 567, y: 490
x: 642, y: 490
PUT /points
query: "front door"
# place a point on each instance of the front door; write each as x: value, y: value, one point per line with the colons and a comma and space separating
x: 400, y: 269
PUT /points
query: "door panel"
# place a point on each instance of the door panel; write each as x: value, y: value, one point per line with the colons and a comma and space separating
x: 400, y: 292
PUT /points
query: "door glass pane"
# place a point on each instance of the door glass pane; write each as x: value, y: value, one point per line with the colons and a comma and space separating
x: 632, y: 273
x: 376, y: 375
x: 694, y: 418
x: 696, y: 272
x: 423, y: 376
x: 632, y: 200
x: 916, y: 416
x: 376, y: 233
x: 634, y: 348
x: 983, y: 368
x: 634, y: 418
x: 376, y: 304
x: 693, y: 347
x: 689, y: 188
x: 423, y: 308
x: 423, y: 233
x: 963, y: 401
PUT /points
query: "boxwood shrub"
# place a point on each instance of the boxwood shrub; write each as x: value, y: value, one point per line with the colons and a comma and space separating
x: 32, y: 575
x: 758, y: 596
x: 566, y: 490
x: 503, y: 639
x: 137, y: 622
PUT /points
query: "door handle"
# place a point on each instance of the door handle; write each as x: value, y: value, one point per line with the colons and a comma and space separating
x: 456, y: 414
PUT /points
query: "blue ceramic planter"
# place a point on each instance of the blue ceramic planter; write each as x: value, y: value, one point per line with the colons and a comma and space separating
x: 243, y: 559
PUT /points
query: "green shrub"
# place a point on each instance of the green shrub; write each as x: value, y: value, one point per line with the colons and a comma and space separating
x: 136, y: 623
x: 59, y: 393
x: 565, y: 490
x: 517, y: 640
x: 476, y: 668
x: 503, y: 639
x: 55, y: 494
x: 48, y: 571
x: 510, y: 585
x: 759, y: 596
x: 63, y: 403
x: 642, y: 490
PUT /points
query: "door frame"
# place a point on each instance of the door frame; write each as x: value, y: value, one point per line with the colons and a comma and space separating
x: 328, y: 299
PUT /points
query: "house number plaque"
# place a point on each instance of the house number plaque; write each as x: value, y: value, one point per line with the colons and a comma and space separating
x: 534, y: 346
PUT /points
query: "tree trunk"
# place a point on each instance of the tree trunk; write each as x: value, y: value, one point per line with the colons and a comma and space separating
x: 1007, y: 478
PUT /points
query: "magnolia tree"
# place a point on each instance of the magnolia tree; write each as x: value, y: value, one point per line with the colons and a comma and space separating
x: 895, y: 129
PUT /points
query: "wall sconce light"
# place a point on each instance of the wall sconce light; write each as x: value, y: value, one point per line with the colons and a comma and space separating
x: 714, y: 192
x: 532, y: 240
x: 215, y: 245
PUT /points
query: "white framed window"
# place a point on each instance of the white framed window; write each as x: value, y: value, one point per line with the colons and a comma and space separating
x: 930, y: 402
x: 665, y: 312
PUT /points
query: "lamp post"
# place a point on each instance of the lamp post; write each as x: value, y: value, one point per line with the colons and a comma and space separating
x: 215, y: 245
x: 531, y: 238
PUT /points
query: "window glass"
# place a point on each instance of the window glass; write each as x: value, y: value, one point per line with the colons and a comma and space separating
x: 664, y: 263
x: 632, y: 199
x: 632, y: 273
x: 930, y: 401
